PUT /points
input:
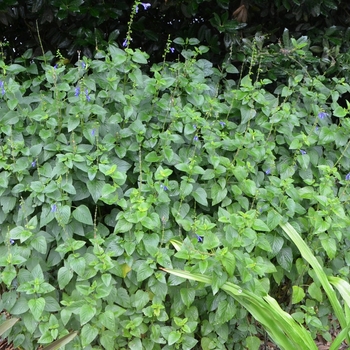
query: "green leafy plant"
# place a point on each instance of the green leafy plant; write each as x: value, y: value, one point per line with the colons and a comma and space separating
x: 113, y: 167
x: 287, y: 333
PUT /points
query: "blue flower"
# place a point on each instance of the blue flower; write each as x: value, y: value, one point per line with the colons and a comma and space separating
x: 77, y: 91
x: 322, y: 115
x: 12, y: 241
x: 268, y: 171
x: 87, y: 95
x: 2, y: 88
x: 53, y: 208
x: 199, y: 238
x: 222, y: 123
x: 93, y: 132
x: 302, y: 152
x: 347, y: 177
x: 33, y: 163
x: 172, y: 49
x: 165, y: 188
x: 145, y: 5
x: 83, y: 65
x: 125, y: 43
x: 55, y: 66
x: 195, y: 138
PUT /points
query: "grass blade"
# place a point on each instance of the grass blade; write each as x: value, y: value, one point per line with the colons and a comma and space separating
x: 7, y: 325
x: 282, y: 328
x: 311, y: 259
x: 61, y: 342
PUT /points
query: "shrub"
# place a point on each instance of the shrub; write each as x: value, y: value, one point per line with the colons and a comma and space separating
x: 105, y: 166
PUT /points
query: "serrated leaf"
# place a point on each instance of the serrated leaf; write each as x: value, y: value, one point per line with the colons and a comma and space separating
x: 187, y: 296
x: 36, y: 307
x: 64, y: 276
x: 87, y: 312
x: 88, y: 334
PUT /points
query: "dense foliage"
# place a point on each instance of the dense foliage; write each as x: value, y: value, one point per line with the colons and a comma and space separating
x: 111, y: 169
x: 88, y: 25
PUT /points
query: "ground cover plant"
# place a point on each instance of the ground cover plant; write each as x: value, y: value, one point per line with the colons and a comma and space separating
x: 111, y: 170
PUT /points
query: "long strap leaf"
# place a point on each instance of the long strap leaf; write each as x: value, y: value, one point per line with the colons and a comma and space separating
x: 282, y: 328
x: 311, y: 259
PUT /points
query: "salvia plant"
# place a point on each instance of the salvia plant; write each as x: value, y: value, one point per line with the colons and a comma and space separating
x: 112, y: 169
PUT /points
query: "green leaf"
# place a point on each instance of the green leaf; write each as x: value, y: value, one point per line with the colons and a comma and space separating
x: 36, y: 307
x: 39, y: 244
x: 218, y: 194
x: 95, y: 188
x: 140, y: 57
x: 298, y: 295
x: 340, y: 112
x: 151, y: 242
x: 144, y: 271
x: 88, y: 334
x: 87, y: 312
x: 118, y: 56
x: 259, y: 225
x: 253, y: 343
x: 228, y: 260
x: 187, y: 296
x: 83, y: 215
x: 285, y: 258
x: 151, y: 222
x: 7, y: 325
x: 174, y: 336
x: 200, y: 196
x: 15, y: 68
x: 12, y: 104
x: 64, y: 276
x: 330, y: 246
x: 315, y: 292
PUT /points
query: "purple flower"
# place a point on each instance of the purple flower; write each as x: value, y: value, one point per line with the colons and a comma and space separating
x: 194, y: 126
x: 268, y: 171
x: 164, y: 187
x: 195, y: 138
x: 83, y: 65
x: 347, y: 177
x: 33, y: 163
x: 55, y: 66
x: 2, y: 88
x: 77, y: 91
x: 322, y: 115
x: 302, y: 152
x: 53, y: 208
x: 87, y: 95
x: 12, y: 241
x: 172, y: 49
x: 222, y: 123
x: 125, y: 43
x: 93, y: 132
x: 145, y: 5
x: 199, y: 238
